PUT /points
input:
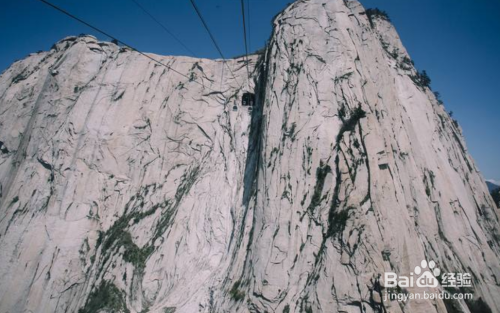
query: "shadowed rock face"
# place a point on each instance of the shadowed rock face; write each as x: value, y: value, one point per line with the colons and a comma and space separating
x: 128, y: 187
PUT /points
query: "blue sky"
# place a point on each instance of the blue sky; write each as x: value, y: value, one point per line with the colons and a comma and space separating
x: 456, y: 41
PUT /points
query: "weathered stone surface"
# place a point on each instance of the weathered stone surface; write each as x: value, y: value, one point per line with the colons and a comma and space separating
x: 128, y: 187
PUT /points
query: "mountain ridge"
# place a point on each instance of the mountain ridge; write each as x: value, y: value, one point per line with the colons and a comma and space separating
x: 492, y: 186
x: 127, y: 187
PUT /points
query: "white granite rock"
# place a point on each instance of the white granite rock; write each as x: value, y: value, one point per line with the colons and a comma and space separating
x: 126, y: 187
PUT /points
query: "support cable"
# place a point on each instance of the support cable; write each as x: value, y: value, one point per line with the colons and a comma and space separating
x: 245, y: 39
x: 249, y: 22
x: 195, y: 7
x: 119, y: 41
x: 164, y: 28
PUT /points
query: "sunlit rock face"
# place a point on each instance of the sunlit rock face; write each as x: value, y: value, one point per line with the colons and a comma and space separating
x: 127, y: 187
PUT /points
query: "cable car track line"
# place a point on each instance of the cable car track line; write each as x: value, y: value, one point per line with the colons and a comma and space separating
x: 164, y: 28
x: 245, y: 39
x: 120, y: 41
x: 212, y: 37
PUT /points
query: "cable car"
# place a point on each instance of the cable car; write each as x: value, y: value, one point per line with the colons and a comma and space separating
x: 235, y: 108
x: 248, y: 99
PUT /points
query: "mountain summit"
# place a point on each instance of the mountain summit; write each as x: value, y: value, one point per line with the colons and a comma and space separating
x: 126, y: 187
x: 492, y: 185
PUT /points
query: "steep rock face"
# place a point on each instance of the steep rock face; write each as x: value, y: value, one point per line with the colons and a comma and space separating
x: 128, y: 187
x: 117, y: 170
x: 362, y: 171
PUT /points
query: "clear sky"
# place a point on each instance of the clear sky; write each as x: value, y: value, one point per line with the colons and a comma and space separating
x: 456, y: 41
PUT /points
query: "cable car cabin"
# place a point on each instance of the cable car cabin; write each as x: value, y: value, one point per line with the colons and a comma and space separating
x: 235, y: 108
x: 248, y: 99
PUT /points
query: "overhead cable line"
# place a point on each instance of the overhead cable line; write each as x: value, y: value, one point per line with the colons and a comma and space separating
x: 207, y: 28
x: 195, y: 7
x: 245, y: 37
x: 249, y: 26
x: 119, y: 41
x: 164, y: 27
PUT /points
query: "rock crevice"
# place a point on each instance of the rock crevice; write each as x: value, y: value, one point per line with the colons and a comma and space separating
x: 126, y: 187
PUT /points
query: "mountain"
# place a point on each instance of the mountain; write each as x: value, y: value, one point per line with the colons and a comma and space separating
x: 127, y: 187
x: 492, y: 186
x: 495, y: 192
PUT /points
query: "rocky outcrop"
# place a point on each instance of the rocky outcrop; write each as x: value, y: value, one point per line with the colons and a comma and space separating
x: 128, y: 187
x: 495, y: 194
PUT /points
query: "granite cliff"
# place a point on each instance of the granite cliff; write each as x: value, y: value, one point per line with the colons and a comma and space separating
x: 126, y: 187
